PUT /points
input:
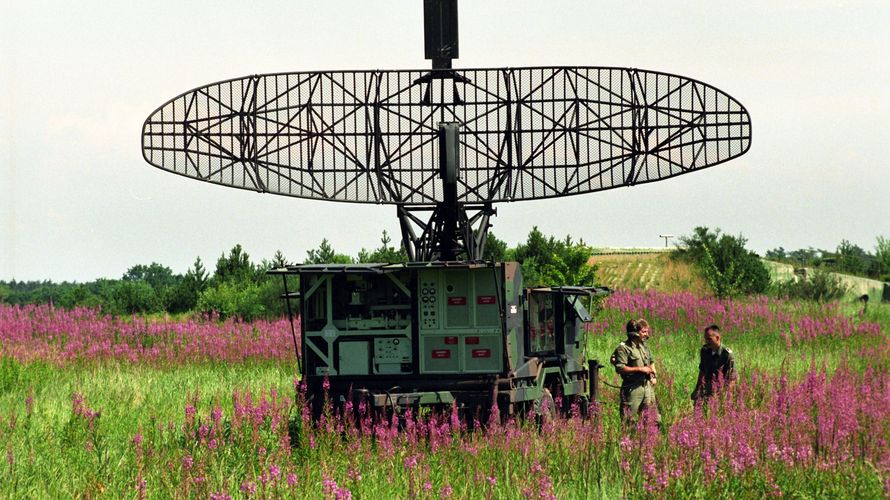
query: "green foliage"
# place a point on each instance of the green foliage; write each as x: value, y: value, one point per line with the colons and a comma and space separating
x: 184, y: 295
x: 570, y: 266
x: 385, y: 253
x: 882, y: 255
x: 232, y: 299
x: 729, y: 268
x: 325, y: 254
x: 851, y: 259
x: 156, y: 275
x: 809, y: 257
x: 278, y: 260
x: 848, y: 258
x: 819, y: 286
x: 495, y: 248
x: 235, y: 267
x: 778, y: 254
x: 548, y: 261
x: 79, y: 295
x: 135, y: 297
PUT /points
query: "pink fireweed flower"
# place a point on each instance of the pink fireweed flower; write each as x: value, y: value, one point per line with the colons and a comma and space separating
x: 248, y: 488
x: 354, y: 475
x: 274, y: 471
x: 329, y: 486
x: 141, y: 487
x: 29, y: 402
x: 291, y: 479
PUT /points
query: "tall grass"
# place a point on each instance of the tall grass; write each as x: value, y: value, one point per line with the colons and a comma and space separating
x: 810, y: 416
x: 815, y: 437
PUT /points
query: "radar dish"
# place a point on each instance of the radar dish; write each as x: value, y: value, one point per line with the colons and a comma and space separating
x: 372, y: 136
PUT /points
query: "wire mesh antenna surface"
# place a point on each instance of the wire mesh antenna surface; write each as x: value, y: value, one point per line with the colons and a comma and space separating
x: 371, y: 136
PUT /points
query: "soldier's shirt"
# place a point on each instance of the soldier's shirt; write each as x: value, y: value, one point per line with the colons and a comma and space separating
x: 713, y: 362
x: 631, y: 354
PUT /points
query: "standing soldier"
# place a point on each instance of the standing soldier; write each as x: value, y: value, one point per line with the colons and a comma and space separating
x: 633, y: 361
x: 716, y: 366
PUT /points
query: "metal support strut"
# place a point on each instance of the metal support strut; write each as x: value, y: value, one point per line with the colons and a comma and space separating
x: 454, y: 231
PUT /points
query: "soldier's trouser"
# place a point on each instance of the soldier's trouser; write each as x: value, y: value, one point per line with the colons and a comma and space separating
x: 636, y: 399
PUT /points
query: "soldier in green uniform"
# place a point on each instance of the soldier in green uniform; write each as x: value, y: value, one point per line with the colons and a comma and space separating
x: 716, y: 367
x: 633, y: 361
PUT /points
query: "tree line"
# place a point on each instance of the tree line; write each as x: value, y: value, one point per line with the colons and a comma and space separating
x: 240, y: 287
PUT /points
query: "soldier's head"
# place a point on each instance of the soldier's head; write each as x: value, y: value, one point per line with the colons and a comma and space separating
x: 712, y: 336
x: 638, y: 328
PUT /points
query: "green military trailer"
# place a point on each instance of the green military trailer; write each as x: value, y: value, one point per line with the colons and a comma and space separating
x: 442, y: 333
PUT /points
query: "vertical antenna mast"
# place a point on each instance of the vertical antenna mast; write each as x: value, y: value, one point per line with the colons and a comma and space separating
x: 440, y: 32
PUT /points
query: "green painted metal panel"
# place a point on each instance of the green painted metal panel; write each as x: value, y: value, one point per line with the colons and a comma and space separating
x: 487, y: 298
x: 440, y: 354
x: 457, y: 300
x: 353, y: 358
x: 482, y: 353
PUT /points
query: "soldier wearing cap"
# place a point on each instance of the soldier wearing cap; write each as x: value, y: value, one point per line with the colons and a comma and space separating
x: 634, y: 363
x: 716, y: 366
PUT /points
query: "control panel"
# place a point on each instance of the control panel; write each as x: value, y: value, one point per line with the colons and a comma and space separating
x: 392, y: 350
x: 429, y: 305
x: 392, y: 355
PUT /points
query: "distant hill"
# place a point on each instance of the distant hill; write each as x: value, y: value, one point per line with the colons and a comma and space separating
x: 653, y: 268
x: 643, y: 269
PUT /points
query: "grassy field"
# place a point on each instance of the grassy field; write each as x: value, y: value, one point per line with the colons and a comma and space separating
x: 652, y: 271
x: 148, y: 415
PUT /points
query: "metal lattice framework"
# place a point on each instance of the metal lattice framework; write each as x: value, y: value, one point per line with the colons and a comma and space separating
x: 371, y: 136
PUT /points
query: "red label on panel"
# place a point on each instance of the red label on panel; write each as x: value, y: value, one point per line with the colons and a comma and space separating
x: 472, y: 340
x: 451, y: 340
x: 441, y: 353
x: 481, y: 353
x: 486, y: 299
x: 457, y: 301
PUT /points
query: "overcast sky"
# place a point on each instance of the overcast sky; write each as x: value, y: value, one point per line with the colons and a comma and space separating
x: 78, y: 202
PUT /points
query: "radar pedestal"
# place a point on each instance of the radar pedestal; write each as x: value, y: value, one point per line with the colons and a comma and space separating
x: 454, y: 230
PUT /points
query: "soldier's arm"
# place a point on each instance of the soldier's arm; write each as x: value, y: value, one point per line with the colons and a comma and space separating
x: 619, y: 358
x: 701, y: 374
x: 729, y: 371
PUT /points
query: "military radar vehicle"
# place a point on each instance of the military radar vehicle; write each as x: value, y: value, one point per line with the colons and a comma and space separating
x: 444, y: 145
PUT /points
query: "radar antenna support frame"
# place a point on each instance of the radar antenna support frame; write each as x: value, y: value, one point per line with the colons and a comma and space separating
x: 450, y: 233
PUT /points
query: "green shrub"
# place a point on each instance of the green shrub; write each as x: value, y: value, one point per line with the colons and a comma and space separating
x: 723, y: 261
x: 819, y: 286
x: 135, y: 297
x: 232, y: 299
